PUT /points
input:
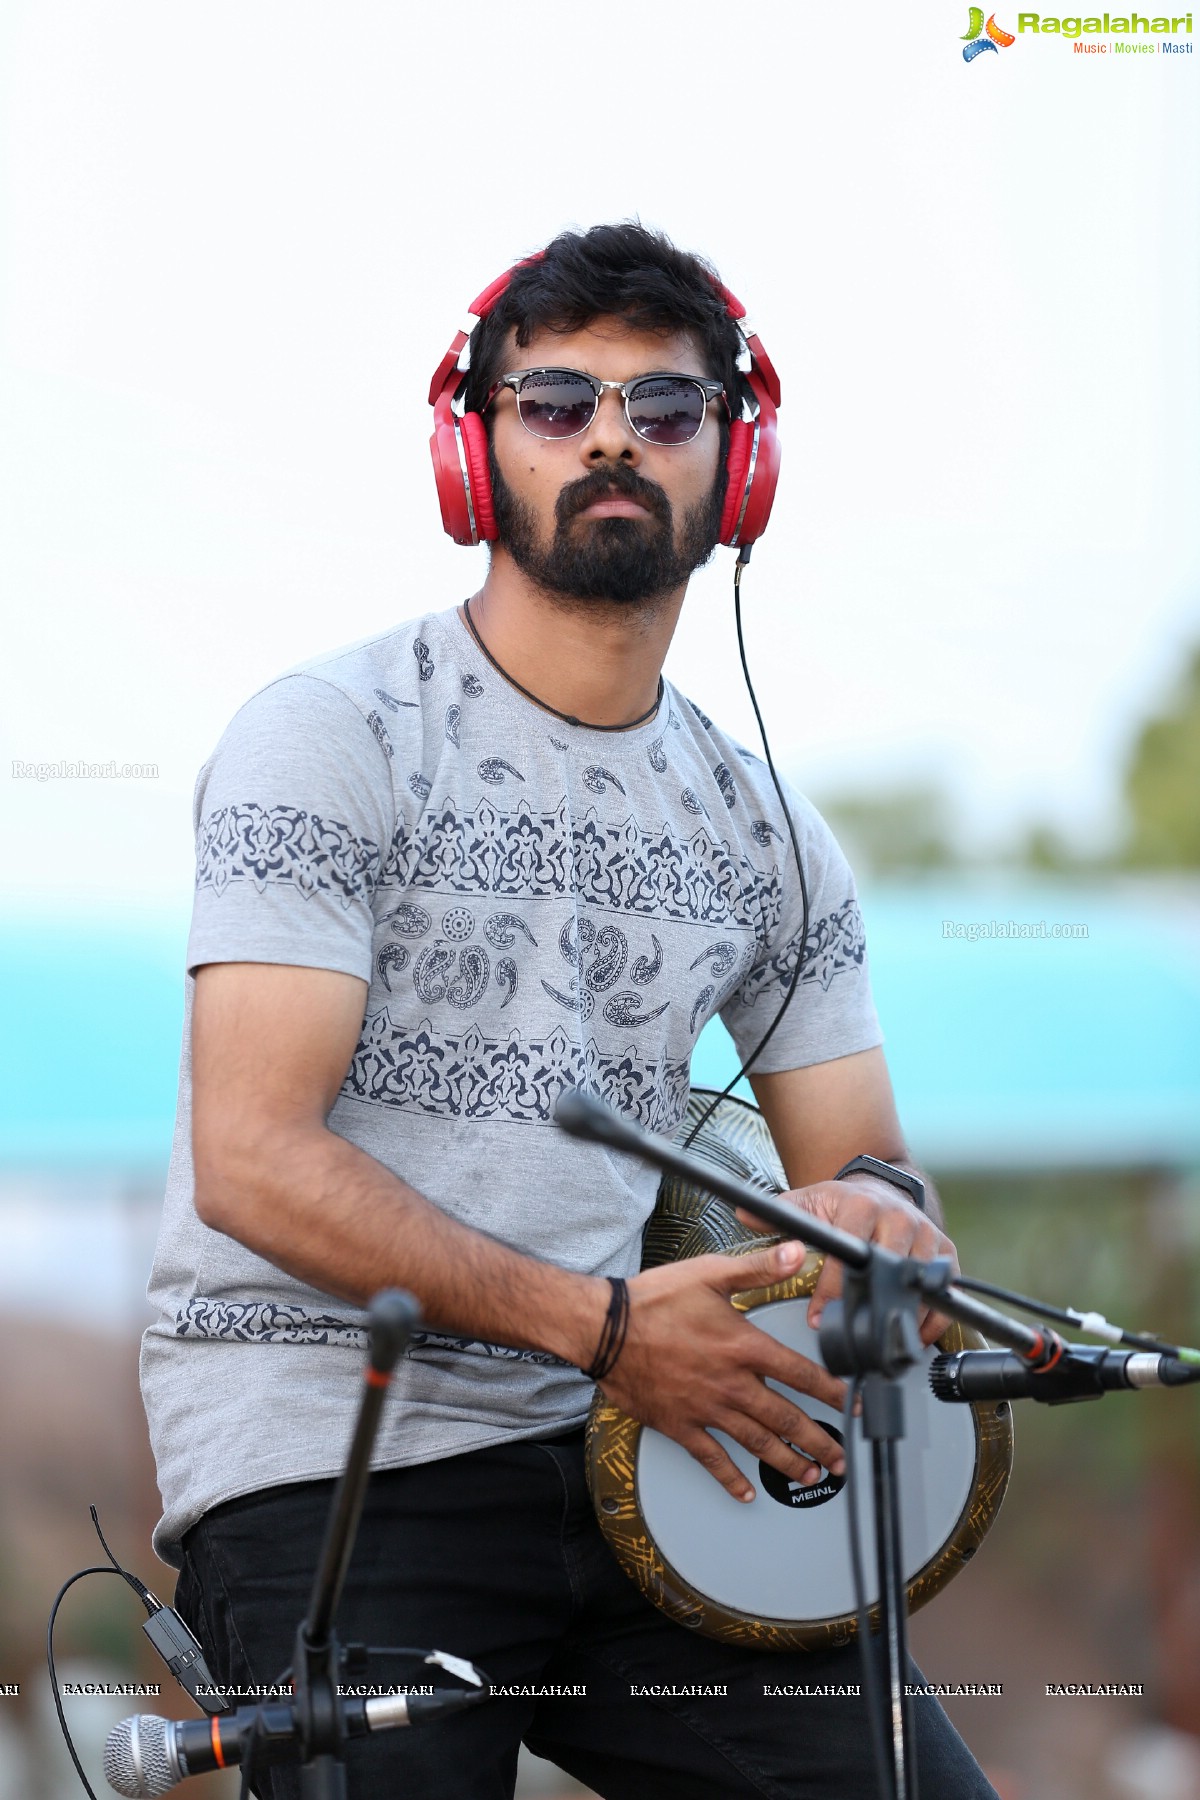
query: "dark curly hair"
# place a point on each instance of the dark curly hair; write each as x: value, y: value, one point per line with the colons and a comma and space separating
x: 622, y: 271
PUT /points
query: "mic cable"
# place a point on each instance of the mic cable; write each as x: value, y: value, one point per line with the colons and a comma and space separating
x: 175, y: 1644
x: 178, y: 1646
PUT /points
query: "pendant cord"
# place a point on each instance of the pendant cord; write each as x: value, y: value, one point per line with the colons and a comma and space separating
x: 567, y: 718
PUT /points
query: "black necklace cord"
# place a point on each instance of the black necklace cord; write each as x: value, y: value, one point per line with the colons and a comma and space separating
x: 743, y: 559
x: 567, y: 718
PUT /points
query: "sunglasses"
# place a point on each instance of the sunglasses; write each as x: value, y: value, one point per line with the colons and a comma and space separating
x: 561, y: 403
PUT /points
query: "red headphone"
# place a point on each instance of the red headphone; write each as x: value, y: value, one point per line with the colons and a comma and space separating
x: 459, y: 444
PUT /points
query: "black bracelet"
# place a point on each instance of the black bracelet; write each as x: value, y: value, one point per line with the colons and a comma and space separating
x: 612, y: 1334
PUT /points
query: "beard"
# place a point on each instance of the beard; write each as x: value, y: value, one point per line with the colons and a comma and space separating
x: 627, y: 562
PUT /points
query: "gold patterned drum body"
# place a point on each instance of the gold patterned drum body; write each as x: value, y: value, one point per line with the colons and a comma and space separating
x: 775, y: 1573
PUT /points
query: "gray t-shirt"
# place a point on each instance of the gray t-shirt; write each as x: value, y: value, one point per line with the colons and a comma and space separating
x: 534, y: 906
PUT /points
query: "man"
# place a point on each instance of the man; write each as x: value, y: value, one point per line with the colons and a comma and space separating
x: 442, y: 876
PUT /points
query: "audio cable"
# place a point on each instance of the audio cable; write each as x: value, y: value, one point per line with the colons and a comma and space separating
x: 742, y: 560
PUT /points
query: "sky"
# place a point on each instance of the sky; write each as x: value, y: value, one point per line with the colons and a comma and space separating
x: 238, y: 237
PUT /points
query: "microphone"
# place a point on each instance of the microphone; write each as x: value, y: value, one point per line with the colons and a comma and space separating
x: 1084, y: 1372
x: 147, y: 1755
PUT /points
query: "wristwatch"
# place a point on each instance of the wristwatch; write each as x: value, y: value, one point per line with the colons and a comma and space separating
x: 913, y: 1186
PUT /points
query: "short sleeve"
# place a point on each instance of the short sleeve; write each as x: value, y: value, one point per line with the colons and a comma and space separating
x: 294, y: 813
x: 832, y: 1012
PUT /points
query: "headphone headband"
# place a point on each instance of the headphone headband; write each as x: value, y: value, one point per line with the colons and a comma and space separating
x: 459, y: 445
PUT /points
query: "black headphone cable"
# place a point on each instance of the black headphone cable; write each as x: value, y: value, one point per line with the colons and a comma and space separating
x: 743, y: 559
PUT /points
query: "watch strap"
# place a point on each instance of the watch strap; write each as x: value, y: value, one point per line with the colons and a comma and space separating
x: 912, y: 1185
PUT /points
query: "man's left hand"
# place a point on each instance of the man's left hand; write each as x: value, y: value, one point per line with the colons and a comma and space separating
x: 879, y: 1213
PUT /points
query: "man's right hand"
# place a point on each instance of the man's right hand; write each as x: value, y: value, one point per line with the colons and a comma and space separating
x: 691, y: 1364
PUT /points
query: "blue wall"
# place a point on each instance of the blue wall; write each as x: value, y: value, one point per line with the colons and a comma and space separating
x: 1004, y: 1052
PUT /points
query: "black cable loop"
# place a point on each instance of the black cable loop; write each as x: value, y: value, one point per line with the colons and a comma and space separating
x: 98, y: 1569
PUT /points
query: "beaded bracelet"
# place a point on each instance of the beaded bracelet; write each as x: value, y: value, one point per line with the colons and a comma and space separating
x: 612, y: 1334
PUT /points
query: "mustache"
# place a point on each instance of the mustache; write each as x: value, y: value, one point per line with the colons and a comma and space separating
x: 604, y: 484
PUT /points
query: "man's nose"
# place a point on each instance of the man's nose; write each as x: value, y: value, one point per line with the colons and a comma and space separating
x: 610, y: 437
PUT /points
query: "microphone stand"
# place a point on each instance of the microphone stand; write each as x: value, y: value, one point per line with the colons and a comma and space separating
x: 872, y: 1332
x: 316, y: 1659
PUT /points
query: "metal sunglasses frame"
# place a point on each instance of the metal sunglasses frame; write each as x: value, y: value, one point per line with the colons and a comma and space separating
x: 710, y: 389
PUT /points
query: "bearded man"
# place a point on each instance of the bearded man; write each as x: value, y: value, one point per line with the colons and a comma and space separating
x: 442, y: 876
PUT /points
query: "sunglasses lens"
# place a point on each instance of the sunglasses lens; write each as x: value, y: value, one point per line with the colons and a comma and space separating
x: 553, y: 403
x: 666, y: 410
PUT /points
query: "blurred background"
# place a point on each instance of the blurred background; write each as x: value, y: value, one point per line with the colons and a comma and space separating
x: 237, y: 240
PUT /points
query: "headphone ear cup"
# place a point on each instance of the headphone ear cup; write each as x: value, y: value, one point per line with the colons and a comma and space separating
x: 753, y: 465
x: 448, y: 471
x: 475, y: 454
x: 763, y: 482
x: 737, y: 466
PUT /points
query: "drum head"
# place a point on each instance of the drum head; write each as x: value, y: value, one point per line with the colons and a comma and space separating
x: 786, y: 1553
x: 776, y: 1573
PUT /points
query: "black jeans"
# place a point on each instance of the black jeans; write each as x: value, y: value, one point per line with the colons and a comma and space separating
x: 496, y: 1556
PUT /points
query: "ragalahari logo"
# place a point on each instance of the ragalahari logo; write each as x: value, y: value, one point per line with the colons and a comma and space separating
x: 974, y: 42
